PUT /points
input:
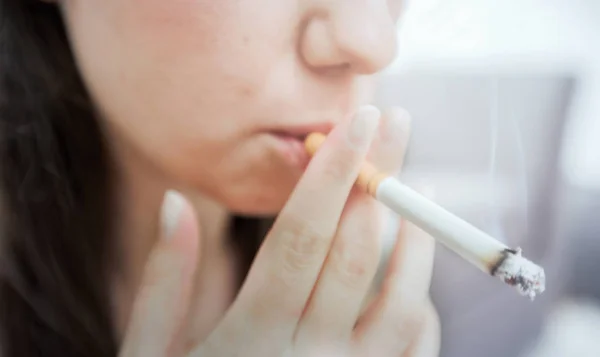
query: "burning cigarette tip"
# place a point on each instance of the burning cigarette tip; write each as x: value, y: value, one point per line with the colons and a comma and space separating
x: 515, y: 270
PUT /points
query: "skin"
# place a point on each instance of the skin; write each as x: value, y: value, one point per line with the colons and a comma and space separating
x: 191, y: 93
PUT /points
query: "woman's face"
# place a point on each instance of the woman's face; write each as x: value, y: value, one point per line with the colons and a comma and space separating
x: 217, y: 94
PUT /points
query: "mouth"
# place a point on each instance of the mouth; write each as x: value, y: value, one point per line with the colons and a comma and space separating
x: 301, y: 132
x: 282, y: 135
x: 289, y: 142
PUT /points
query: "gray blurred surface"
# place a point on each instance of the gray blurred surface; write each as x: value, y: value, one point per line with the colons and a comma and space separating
x: 580, y: 225
x: 516, y: 199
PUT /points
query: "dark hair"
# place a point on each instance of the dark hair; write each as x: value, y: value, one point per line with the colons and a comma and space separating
x: 56, y: 192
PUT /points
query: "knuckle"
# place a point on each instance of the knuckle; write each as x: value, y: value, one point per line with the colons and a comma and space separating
x: 304, y: 246
x: 408, y: 323
x: 355, y: 262
x: 404, y: 317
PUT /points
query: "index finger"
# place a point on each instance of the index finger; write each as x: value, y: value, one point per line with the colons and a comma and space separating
x: 288, y: 264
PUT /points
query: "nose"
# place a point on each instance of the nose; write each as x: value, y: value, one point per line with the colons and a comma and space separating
x: 355, y: 34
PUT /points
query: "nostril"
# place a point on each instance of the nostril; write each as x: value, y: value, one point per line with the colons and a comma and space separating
x: 334, y: 71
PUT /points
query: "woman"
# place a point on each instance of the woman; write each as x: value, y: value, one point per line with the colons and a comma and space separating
x: 106, y: 105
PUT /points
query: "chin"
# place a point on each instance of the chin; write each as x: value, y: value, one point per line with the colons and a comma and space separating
x: 256, y: 207
x: 259, y: 202
x: 253, y: 185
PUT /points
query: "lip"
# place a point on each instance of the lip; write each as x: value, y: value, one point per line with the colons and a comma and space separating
x: 302, y: 131
x: 289, y: 142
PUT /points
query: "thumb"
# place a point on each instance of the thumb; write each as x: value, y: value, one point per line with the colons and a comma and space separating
x: 166, y: 288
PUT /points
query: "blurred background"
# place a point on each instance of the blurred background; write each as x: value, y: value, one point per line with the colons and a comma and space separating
x: 505, y: 99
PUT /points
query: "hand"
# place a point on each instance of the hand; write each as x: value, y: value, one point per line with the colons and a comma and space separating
x: 304, y: 292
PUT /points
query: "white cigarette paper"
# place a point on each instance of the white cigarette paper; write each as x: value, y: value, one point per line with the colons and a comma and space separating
x: 469, y: 242
x: 474, y: 245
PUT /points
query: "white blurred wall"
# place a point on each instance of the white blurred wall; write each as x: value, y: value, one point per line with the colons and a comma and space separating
x: 529, y: 36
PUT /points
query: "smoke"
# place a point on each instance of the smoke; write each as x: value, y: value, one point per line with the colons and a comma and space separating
x: 507, y: 166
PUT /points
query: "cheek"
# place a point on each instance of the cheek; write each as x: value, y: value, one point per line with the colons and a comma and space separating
x: 168, y: 30
x: 147, y: 64
x: 183, y: 81
x: 180, y: 59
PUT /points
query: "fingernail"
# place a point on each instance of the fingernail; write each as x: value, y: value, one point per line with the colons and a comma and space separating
x: 172, y: 207
x: 363, y: 125
x: 395, y: 126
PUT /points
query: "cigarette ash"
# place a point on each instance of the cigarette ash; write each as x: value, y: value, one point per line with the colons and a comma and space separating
x: 515, y: 270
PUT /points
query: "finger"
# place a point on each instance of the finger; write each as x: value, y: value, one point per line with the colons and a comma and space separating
x: 166, y: 287
x: 353, y: 259
x: 427, y: 342
x: 346, y: 276
x: 388, y: 152
x: 389, y: 323
x: 288, y: 263
x: 424, y: 327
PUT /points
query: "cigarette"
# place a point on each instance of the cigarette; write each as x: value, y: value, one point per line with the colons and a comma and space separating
x: 475, y: 246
